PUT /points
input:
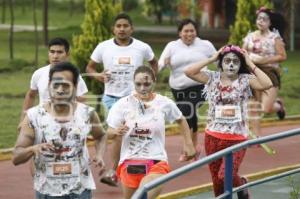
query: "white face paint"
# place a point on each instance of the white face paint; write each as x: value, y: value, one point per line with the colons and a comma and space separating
x: 263, y: 21
x: 231, y: 64
x: 143, y: 84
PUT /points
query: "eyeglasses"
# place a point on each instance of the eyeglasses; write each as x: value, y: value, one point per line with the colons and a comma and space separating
x: 145, y: 84
x: 264, y: 19
x: 234, y: 61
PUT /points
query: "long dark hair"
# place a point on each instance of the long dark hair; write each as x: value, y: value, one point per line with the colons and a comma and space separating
x: 277, y: 20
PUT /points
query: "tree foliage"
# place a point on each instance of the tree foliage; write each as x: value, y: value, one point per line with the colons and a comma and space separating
x: 245, y: 19
x: 96, y: 27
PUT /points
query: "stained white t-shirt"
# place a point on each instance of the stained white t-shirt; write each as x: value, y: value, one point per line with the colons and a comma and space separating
x: 182, y: 55
x: 65, y: 170
x: 121, y: 62
x: 40, y: 79
x: 145, y: 138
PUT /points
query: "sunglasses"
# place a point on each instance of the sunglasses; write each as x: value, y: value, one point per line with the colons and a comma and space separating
x: 145, y: 84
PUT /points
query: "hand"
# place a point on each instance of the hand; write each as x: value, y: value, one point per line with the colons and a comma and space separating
x: 122, y: 130
x: 99, y: 162
x: 40, y: 148
x: 216, y: 55
x: 105, y: 76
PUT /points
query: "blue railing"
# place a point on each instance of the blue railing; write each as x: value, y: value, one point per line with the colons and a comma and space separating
x: 141, y: 193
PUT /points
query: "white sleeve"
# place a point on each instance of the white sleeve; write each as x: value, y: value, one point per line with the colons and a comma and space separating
x: 81, y: 87
x: 115, y: 116
x: 164, y: 55
x: 34, y: 81
x: 97, y: 53
x: 149, y: 54
x: 211, y: 49
x: 172, y: 112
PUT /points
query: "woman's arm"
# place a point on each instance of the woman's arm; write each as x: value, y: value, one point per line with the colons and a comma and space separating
x: 261, y: 81
x: 194, y: 72
x: 188, y: 145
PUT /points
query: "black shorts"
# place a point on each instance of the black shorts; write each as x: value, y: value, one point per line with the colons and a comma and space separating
x: 188, y: 101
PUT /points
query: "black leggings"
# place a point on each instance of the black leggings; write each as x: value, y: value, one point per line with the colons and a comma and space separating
x: 188, y: 100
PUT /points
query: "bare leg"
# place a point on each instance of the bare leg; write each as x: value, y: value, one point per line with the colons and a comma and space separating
x: 269, y: 100
x: 156, y: 191
x: 127, y: 191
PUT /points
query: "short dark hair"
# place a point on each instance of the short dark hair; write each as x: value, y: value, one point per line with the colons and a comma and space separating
x: 61, y: 42
x: 186, y: 22
x: 145, y: 69
x: 65, y: 66
x: 123, y: 16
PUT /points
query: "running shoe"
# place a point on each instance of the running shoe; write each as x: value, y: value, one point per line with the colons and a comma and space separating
x: 243, y: 194
x: 110, y: 178
x: 281, y: 113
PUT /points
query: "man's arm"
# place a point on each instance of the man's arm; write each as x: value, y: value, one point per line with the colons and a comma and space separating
x: 104, y: 76
x: 24, y: 148
x: 28, y: 103
x: 100, y: 138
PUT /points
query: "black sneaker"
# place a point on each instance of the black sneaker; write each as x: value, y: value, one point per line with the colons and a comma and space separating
x: 243, y: 194
x: 281, y: 113
x: 110, y: 178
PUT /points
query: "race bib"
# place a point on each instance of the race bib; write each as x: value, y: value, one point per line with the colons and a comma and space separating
x: 57, y: 169
x: 228, y: 114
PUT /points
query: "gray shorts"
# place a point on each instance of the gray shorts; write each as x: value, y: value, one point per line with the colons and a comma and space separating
x: 86, y: 194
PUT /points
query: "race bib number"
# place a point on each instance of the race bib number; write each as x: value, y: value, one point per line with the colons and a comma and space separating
x: 228, y: 114
x: 62, y: 169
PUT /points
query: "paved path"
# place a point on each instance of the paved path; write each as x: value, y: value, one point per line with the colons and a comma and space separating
x: 16, y: 182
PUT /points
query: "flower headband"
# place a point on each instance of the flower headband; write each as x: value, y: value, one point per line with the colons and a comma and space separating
x: 231, y: 48
x: 263, y: 9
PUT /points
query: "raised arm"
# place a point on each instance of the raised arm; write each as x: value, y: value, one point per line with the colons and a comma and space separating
x: 194, y: 70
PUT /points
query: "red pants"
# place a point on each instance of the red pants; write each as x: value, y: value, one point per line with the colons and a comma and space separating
x: 217, y: 168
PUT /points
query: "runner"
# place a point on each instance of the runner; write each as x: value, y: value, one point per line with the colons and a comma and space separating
x: 267, y: 49
x: 139, y: 119
x: 177, y: 55
x: 227, y: 92
x: 55, y: 135
x: 120, y: 57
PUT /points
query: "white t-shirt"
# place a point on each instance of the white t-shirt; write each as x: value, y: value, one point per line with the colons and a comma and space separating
x: 121, y: 61
x: 145, y: 138
x: 182, y: 55
x: 65, y: 170
x: 40, y: 79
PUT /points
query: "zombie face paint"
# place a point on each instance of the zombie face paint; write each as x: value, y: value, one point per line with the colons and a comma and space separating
x: 143, y: 84
x: 231, y: 64
x: 263, y: 21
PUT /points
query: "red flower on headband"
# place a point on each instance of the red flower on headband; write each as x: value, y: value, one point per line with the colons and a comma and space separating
x: 231, y: 48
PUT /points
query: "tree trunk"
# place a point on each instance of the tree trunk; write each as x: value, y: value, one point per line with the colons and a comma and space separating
x: 36, y: 39
x: 3, y: 11
x: 71, y: 7
x: 11, y: 31
x: 45, y: 22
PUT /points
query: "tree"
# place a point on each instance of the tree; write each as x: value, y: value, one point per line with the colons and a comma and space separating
x: 3, y: 11
x: 96, y: 27
x: 160, y: 7
x: 245, y: 19
x: 45, y: 22
x: 11, y: 30
x: 36, y: 36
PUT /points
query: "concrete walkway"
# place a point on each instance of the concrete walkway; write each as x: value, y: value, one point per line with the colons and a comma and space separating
x: 16, y: 182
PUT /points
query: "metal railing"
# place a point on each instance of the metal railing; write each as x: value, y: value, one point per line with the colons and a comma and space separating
x: 141, y: 193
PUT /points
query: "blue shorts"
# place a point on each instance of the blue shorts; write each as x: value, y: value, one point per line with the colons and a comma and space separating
x: 86, y: 194
x: 109, y: 101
